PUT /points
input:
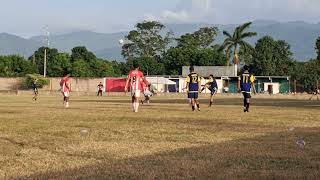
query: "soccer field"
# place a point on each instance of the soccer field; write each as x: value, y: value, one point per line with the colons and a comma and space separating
x: 100, y: 138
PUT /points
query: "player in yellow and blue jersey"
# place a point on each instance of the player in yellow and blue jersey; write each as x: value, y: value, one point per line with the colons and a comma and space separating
x: 193, y: 86
x: 246, y: 83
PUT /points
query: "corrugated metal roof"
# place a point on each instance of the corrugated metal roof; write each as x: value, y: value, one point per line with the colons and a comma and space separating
x: 205, y: 71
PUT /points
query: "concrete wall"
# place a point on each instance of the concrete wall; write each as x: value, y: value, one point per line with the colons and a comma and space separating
x: 77, y: 84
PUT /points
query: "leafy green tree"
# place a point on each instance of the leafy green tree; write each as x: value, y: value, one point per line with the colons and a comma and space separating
x: 149, y: 39
x: 318, y: 48
x: 102, y: 68
x: 150, y: 65
x: 177, y: 57
x: 246, y: 56
x: 202, y: 38
x: 237, y: 41
x: 14, y: 66
x: 80, y: 68
x: 272, y: 58
x: 307, y: 74
x: 38, y: 57
x: 58, y: 65
x: 81, y: 52
x: 29, y: 79
x: 118, y: 68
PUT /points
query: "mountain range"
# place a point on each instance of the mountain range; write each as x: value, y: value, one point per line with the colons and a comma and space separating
x: 300, y: 35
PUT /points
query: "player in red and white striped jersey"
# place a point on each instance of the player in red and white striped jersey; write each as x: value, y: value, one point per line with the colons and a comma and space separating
x: 65, y: 89
x: 136, y: 80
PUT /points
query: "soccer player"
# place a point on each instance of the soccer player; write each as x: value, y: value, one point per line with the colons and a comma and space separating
x: 246, y: 81
x: 315, y: 93
x: 65, y: 89
x: 193, y: 87
x: 136, y: 80
x: 212, y: 86
x: 147, y: 94
x: 35, y: 90
x: 100, y: 87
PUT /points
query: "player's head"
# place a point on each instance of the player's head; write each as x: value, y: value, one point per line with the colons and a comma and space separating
x: 136, y: 65
x: 66, y: 74
x: 191, y: 69
x: 211, y: 76
x: 246, y: 68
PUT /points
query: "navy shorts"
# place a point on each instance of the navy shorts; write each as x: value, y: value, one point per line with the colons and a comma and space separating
x: 193, y: 95
x: 213, y: 90
x: 246, y: 95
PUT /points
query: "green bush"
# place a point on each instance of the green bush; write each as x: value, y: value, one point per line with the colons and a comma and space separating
x: 30, y: 78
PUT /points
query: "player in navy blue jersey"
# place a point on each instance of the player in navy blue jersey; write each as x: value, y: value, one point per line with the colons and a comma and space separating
x: 212, y: 86
x: 193, y: 87
x: 246, y: 82
x: 35, y: 90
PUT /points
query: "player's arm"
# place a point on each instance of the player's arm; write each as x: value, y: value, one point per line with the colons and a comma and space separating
x: 127, y: 83
x: 68, y: 85
x: 187, y: 83
x: 199, y: 84
x: 253, y: 84
x: 187, y: 87
x: 239, y: 84
x: 145, y: 81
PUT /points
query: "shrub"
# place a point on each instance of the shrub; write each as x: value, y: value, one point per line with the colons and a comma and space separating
x: 30, y: 78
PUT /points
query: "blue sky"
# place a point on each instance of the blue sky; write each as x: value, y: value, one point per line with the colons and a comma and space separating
x: 28, y: 17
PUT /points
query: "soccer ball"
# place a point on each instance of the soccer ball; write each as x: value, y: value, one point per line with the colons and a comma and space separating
x: 121, y: 41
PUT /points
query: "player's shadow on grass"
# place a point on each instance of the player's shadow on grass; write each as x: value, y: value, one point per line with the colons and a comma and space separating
x: 272, y: 156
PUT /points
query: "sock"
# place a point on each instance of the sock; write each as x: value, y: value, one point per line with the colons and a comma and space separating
x: 248, y: 105
x: 245, y: 103
x: 193, y: 108
x: 133, y: 106
x: 198, y: 106
x: 211, y: 103
x: 137, y: 106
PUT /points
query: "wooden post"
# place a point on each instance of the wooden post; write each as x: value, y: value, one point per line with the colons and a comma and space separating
x: 295, y: 86
x: 45, y: 63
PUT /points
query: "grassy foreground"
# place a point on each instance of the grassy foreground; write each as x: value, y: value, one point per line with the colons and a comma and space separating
x: 100, y: 138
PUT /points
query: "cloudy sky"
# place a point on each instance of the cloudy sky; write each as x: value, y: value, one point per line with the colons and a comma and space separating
x: 28, y: 17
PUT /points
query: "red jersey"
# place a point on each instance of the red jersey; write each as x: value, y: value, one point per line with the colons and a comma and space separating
x: 136, y: 80
x: 65, y: 84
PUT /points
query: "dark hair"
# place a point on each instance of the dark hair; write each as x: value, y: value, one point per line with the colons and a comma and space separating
x: 211, y: 75
x: 246, y: 67
x: 191, y: 68
x: 136, y: 64
x: 65, y: 73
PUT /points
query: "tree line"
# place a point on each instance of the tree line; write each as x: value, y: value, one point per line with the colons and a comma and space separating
x: 159, y: 52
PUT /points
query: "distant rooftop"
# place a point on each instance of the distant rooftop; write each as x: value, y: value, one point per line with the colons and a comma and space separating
x: 216, y: 71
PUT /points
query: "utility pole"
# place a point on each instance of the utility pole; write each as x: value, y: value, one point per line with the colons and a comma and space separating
x: 45, y: 50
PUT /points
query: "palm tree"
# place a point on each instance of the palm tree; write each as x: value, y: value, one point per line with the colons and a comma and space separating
x: 236, y: 41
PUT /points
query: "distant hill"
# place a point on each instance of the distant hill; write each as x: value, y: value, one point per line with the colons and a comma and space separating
x: 11, y: 44
x: 300, y: 35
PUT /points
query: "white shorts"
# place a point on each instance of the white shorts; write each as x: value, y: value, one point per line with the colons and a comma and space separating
x: 135, y: 93
x: 66, y: 94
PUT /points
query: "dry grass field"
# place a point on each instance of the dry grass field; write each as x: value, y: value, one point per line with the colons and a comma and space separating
x: 100, y: 138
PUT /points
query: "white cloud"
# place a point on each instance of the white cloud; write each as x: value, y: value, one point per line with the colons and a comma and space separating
x: 235, y: 11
